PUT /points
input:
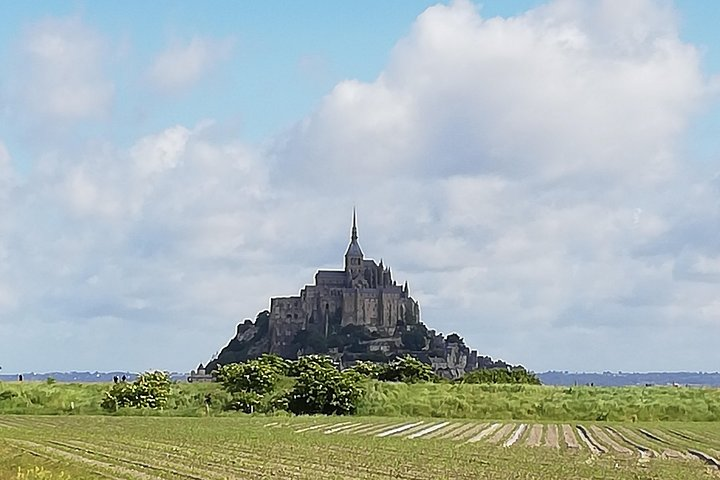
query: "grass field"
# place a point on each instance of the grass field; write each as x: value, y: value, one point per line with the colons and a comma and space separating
x: 80, y: 447
x: 509, y: 402
x: 532, y: 402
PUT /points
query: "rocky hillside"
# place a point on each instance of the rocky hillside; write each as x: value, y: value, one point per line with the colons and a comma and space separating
x: 449, y: 356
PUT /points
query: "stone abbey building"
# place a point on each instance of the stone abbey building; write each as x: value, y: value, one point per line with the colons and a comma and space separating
x: 364, y: 293
x: 357, y: 313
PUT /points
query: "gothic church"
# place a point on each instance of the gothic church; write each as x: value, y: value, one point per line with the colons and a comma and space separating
x: 363, y: 294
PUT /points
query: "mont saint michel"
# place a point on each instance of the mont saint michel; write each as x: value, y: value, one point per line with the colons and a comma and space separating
x: 358, y: 313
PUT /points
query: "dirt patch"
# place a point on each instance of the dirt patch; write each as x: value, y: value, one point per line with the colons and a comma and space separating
x: 631, y: 439
x: 590, y: 441
x: 374, y: 428
x: 398, y: 429
x: 428, y: 430
x: 501, y: 434
x: 442, y: 431
x: 534, y: 436
x: 551, y: 436
x: 515, y: 435
x: 454, y: 433
x: 484, y: 434
x: 569, y: 437
x: 471, y: 432
x: 604, y: 438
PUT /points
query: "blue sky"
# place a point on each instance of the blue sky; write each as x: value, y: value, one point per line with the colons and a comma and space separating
x: 540, y: 172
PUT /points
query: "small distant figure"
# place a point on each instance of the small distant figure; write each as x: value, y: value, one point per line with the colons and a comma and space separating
x: 116, y: 379
x: 124, y: 378
x: 20, y: 378
x: 208, y: 401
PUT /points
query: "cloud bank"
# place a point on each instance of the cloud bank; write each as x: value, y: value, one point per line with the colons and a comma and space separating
x: 525, y: 174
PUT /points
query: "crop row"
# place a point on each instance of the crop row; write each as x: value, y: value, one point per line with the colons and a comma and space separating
x: 217, y: 448
x: 597, y: 439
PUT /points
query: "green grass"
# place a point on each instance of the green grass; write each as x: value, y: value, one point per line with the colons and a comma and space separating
x: 517, y: 402
x: 84, y: 447
x: 530, y: 402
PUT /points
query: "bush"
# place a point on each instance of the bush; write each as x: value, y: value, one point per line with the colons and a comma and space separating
x: 254, y: 376
x: 246, y: 402
x: 321, y: 388
x: 7, y: 395
x: 149, y: 390
x: 309, y: 363
x: 252, y: 384
x: 407, y: 369
x: 276, y: 362
x: 368, y: 369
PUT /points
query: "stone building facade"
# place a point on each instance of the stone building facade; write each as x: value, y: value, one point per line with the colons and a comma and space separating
x: 364, y: 293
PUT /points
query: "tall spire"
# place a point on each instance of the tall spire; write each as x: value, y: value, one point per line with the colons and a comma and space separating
x: 354, y: 235
x: 354, y: 249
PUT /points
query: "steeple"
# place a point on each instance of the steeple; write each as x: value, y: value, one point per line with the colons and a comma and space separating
x: 354, y: 255
x: 353, y: 236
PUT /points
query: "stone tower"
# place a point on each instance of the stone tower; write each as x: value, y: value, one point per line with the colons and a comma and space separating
x: 354, y: 256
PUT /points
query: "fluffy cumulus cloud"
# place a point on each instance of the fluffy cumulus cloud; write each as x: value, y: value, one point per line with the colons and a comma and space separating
x: 181, y: 65
x: 61, y: 72
x: 524, y: 174
x: 531, y: 165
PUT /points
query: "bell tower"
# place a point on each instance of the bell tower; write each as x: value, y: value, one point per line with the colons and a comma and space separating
x: 354, y: 255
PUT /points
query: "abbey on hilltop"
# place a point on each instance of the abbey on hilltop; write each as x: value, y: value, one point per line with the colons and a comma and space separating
x: 357, y: 313
x: 362, y: 294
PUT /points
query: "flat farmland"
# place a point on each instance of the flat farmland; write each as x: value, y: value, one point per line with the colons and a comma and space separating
x: 80, y: 447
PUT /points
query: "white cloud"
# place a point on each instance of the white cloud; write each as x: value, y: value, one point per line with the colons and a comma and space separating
x: 527, y: 161
x: 62, y: 76
x: 545, y: 94
x: 6, y: 170
x: 523, y: 174
x: 184, y: 64
x: 156, y: 153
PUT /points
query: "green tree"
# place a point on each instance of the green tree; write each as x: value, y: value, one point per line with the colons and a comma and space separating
x: 149, y: 390
x: 407, y: 369
x: 321, y: 388
x: 252, y: 384
x: 368, y: 369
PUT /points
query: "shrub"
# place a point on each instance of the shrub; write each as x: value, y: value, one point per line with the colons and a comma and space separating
x: 252, y: 384
x: 321, y: 388
x: 7, y: 395
x: 246, y: 402
x: 149, y: 390
x: 255, y: 376
x: 310, y: 363
x: 368, y: 369
x: 407, y: 369
x: 279, y: 364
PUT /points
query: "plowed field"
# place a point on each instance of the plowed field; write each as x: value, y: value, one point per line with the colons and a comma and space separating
x: 350, y: 448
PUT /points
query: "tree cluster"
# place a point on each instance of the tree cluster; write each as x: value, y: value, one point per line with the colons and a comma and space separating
x: 316, y: 385
x: 313, y: 384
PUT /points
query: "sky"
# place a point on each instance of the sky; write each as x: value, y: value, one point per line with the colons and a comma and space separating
x: 545, y: 175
